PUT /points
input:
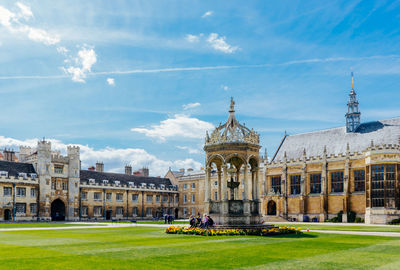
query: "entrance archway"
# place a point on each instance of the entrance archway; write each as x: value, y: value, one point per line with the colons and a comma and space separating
x: 7, y: 214
x: 271, y: 208
x: 57, y: 210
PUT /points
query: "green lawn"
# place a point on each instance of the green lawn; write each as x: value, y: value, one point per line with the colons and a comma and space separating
x: 151, y: 248
x: 38, y: 224
x: 344, y: 227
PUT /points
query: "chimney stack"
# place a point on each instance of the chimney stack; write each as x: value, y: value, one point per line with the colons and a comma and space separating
x: 128, y: 169
x: 9, y: 155
x: 91, y: 168
x: 99, y: 167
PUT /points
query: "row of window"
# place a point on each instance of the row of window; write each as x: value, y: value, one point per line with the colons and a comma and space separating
x: 185, y: 212
x: 337, y: 183
x: 97, y: 196
x: 383, y: 185
x: 119, y: 211
x: 186, y: 185
x: 185, y: 198
x: 19, y: 191
x: 64, y: 185
x: 20, y: 208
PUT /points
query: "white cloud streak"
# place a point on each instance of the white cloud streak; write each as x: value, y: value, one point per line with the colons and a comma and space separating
x: 15, y: 22
x: 189, y: 149
x: 180, y: 126
x: 221, y: 67
x: 114, y: 158
x: 192, y: 38
x: 191, y: 106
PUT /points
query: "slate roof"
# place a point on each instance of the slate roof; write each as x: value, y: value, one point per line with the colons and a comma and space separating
x: 14, y: 168
x: 336, y: 139
x: 123, y: 178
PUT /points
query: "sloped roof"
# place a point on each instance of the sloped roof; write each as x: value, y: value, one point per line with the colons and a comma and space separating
x: 14, y: 168
x: 336, y: 139
x: 123, y: 178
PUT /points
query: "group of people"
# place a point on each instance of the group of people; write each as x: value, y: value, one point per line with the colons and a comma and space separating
x: 199, y: 222
x: 168, y: 219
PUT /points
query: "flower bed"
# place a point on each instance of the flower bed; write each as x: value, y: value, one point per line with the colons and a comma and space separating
x: 216, y: 232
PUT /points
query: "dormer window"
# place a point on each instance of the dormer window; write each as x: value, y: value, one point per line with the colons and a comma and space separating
x: 117, y: 183
x: 131, y: 183
x: 33, y: 175
x: 4, y: 173
x: 92, y: 181
x: 105, y: 182
x: 144, y: 185
x: 152, y: 185
x: 162, y: 186
x: 24, y: 175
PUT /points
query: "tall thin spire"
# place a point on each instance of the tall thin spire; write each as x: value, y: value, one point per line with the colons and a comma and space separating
x: 353, y: 114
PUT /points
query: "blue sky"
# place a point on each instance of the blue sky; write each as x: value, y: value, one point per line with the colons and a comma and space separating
x: 139, y: 82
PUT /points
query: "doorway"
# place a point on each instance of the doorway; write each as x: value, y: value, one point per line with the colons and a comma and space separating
x: 271, y: 208
x: 7, y: 214
x: 57, y: 210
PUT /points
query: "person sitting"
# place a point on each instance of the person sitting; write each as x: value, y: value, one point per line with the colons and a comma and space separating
x: 192, y: 222
x: 210, y: 221
x: 198, y: 221
x: 204, y: 222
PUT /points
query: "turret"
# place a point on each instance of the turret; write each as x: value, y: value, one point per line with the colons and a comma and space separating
x: 353, y: 114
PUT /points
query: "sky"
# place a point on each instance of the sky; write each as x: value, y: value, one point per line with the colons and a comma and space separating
x: 140, y: 82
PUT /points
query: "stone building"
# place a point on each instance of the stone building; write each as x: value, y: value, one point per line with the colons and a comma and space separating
x: 317, y: 175
x: 46, y: 185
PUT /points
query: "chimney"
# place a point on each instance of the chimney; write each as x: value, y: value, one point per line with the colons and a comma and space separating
x: 145, y: 171
x: 99, y: 167
x: 128, y: 169
x: 91, y: 168
x: 9, y: 155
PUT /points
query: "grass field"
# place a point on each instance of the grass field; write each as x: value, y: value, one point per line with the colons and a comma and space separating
x: 345, y: 228
x: 37, y: 224
x: 151, y: 248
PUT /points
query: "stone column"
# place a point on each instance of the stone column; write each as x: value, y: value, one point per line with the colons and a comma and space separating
x: 246, y: 203
x: 346, y: 180
x: 207, y: 197
x: 219, y: 183
x: 324, y: 189
x: 224, y: 204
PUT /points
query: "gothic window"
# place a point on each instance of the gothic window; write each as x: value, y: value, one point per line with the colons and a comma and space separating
x: 7, y: 191
x: 20, y: 208
x: 336, y: 181
x: 359, y: 180
x: 58, y: 169
x: 65, y: 186
x: 33, y: 208
x: 97, y: 211
x: 276, y: 184
x: 295, y: 184
x: 21, y: 192
x: 315, y: 183
x: 383, y: 186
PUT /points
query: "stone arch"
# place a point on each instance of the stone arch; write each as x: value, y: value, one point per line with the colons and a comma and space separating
x: 58, y: 209
x: 235, y: 159
x: 217, y: 159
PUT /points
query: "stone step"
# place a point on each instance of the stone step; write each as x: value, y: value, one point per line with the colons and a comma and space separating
x: 274, y: 219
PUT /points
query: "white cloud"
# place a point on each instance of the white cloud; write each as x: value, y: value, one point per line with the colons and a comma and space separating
x: 189, y: 149
x: 207, y: 14
x: 191, y: 106
x: 220, y: 44
x: 26, y: 11
x: 62, y: 50
x: 111, y: 81
x: 225, y: 87
x: 83, y: 64
x: 14, y: 22
x: 192, y: 38
x: 114, y: 158
x: 181, y: 126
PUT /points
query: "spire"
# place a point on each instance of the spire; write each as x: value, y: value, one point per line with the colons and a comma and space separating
x: 232, y: 107
x: 353, y: 114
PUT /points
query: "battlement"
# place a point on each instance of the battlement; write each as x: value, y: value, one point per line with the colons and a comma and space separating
x: 88, y: 184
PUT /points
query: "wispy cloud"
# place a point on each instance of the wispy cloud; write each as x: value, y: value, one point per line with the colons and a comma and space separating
x: 180, y: 126
x: 16, y: 23
x: 191, y: 106
x: 219, y: 67
x: 225, y: 87
x: 219, y: 43
x: 192, y: 38
x: 207, y: 14
x: 189, y: 149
